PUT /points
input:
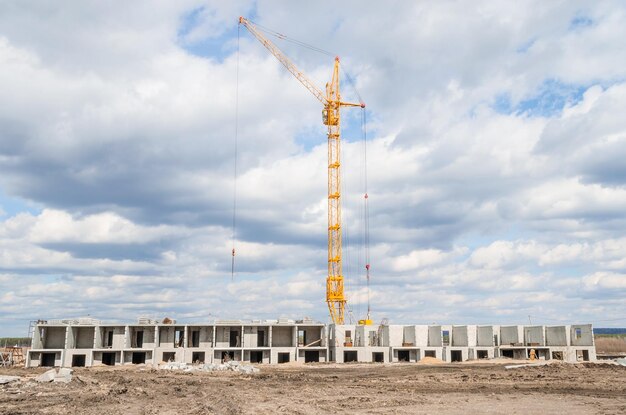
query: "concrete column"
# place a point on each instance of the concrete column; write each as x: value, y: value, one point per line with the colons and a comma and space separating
x: 242, y: 336
x: 185, y: 340
x: 269, y: 338
x: 68, y: 332
x: 213, y: 335
x: 126, y: 343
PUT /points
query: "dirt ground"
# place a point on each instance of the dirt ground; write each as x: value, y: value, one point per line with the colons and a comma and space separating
x: 326, y: 389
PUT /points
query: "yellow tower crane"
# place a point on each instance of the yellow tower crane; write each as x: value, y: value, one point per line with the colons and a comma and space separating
x: 331, y: 117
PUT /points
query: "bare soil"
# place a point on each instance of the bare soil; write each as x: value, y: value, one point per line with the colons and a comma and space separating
x: 590, y: 388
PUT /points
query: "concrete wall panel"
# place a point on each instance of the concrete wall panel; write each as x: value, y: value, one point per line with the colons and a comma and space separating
x: 484, y: 336
x: 459, y: 336
x: 509, y: 335
x: 54, y: 338
x: 434, y: 336
x: 534, y: 335
x: 556, y: 336
x: 581, y: 335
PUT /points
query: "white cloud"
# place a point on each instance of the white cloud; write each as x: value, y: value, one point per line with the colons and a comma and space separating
x: 484, y: 208
x: 605, y: 280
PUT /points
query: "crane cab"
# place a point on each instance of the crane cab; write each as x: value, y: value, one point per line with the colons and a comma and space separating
x: 329, y: 116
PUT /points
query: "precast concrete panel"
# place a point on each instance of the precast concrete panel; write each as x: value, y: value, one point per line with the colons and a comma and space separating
x: 509, y: 335
x: 346, y: 334
x: 370, y: 336
x: 83, y: 337
x: 434, y: 336
x: 471, y: 336
x: 556, y: 336
x: 386, y: 335
x: 37, y: 340
x: 421, y: 336
x: 167, y: 336
x: 54, y: 337
x: 360, y: 336
x: 282, y: 336
x: 484, y: 336
x: 408, y: 336
x: 275, y: 351
x: 459, y: 336
x: 312, y: 334
x: 396, y: 334
x: 222, y: 336
x: 581, y: 335
x: 534, y: 335
x: 147, y: 337
x: 250, y: 336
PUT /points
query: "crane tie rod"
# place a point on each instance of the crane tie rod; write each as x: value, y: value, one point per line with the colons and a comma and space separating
x: 291, y: 40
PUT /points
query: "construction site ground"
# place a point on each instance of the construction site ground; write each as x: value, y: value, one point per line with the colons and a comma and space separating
x: 583, y: 388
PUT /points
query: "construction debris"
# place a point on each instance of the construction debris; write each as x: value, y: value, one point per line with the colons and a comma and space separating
x: 64, y: 375
x: 526, y: 365
x: 8, y: 379
x: 47, y: 376
x: 233, y: 366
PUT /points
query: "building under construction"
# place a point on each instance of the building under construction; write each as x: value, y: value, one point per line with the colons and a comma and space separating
x: 88, y: 342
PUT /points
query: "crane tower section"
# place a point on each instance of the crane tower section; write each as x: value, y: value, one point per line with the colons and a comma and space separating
x: 331, y: 117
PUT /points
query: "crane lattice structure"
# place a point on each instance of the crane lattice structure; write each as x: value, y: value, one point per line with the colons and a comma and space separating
x: 331, y: 117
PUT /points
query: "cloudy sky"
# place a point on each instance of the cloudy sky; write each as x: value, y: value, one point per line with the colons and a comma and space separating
x: 495, y: 160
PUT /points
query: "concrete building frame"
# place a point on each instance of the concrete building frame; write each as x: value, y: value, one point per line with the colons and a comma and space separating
x: 88, y: 342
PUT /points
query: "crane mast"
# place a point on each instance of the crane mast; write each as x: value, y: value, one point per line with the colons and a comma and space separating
x: 331, y: 117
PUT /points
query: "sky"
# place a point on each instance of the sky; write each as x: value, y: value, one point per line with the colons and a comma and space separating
x: 496, y: 141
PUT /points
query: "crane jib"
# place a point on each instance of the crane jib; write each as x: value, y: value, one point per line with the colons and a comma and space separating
x: 331, y: 117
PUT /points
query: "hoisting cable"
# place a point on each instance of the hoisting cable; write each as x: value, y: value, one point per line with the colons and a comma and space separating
x: 366, y: 218
x: 366, y: 227
x: 232, y: 267
x: 366, y: 212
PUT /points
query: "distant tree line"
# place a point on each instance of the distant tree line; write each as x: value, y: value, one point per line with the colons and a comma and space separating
x: 14, y: 341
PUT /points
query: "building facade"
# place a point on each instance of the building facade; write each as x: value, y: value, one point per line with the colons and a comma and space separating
x: 88, y: 342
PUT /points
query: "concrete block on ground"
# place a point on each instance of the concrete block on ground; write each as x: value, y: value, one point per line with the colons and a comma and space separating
x: 64, y: 375
x: 47, y: 376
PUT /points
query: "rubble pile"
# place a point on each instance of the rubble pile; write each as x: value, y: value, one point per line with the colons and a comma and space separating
x: 233, y: 366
